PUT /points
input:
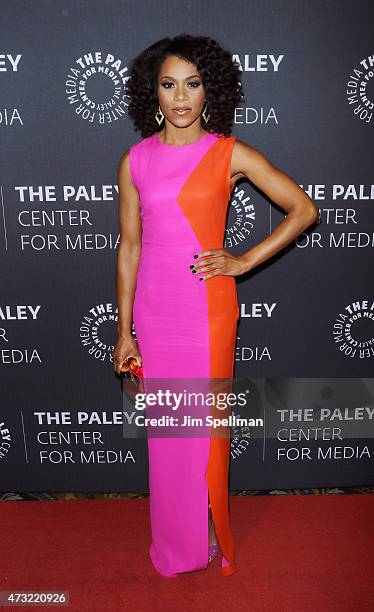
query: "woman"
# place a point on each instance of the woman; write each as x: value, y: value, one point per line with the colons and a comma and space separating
x: 175, y: 279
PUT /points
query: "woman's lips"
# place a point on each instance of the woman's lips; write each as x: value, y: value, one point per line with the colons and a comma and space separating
x: 181, y: 112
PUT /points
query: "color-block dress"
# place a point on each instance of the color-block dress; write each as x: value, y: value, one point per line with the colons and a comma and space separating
x: 186, y: 329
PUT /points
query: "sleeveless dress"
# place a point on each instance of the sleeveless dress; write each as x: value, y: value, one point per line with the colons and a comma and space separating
x: 185, y: 329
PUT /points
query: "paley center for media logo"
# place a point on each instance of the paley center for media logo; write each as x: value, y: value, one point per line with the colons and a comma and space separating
x: 357, y: 89
x: 96, y: 87
x: 5, y: 440
x: 353, y: 330
x: 97, y: 332
x: 242, y: 216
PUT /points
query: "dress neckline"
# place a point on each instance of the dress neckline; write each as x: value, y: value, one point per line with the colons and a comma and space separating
x: 190, y: 144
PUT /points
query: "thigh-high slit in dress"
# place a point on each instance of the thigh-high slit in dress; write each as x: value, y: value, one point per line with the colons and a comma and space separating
x: 186, y: 329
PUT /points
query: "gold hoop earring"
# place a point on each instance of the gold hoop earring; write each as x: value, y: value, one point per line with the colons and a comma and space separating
x: 159, y: 116
x: 206, y: 118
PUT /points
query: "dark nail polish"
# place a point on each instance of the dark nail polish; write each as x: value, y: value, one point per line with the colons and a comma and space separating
x: 201, y: 278
x: 192, y: 265
x: 194, y: 271
x: 195, y: 256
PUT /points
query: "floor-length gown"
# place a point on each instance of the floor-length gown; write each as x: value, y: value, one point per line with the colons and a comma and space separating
x: 186, y: 328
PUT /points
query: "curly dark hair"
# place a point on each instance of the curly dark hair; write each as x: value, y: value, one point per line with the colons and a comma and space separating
x: 219, y: 74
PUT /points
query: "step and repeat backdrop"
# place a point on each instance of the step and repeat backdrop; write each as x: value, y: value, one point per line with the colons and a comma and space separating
x: 305, y: 342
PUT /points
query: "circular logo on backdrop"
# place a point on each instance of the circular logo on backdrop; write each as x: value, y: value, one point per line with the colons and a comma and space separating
x: 240, y: 438
x: 240, y: 434
x: 5, y: 440
x: 353, y: 330
x: 242, y: 216
x: 97, y: 332
x: 96, y: 89
x: 360, y: 89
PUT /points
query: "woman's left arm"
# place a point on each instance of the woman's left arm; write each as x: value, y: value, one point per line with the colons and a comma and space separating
x: 247, y: 161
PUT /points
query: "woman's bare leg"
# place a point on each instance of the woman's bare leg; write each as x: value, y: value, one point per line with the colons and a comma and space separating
x: 212, y: 533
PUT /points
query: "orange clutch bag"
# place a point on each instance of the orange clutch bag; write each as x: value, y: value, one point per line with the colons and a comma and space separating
x: 134, y: 368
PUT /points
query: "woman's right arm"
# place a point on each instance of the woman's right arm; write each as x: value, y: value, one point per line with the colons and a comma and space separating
x: 127, y: 262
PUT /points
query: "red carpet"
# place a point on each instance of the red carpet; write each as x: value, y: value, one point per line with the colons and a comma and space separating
x: 292, y: 553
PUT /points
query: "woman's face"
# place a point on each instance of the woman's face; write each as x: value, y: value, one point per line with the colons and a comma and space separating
x: 180, y: 87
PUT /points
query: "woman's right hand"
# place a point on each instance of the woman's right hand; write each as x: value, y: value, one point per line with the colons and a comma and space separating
x: 125, y: 347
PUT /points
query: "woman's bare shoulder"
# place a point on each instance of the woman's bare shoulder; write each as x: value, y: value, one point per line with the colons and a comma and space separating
x: 243, y: 148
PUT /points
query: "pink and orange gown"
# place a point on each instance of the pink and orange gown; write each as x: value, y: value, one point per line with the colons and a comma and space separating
x: 186, y: 329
